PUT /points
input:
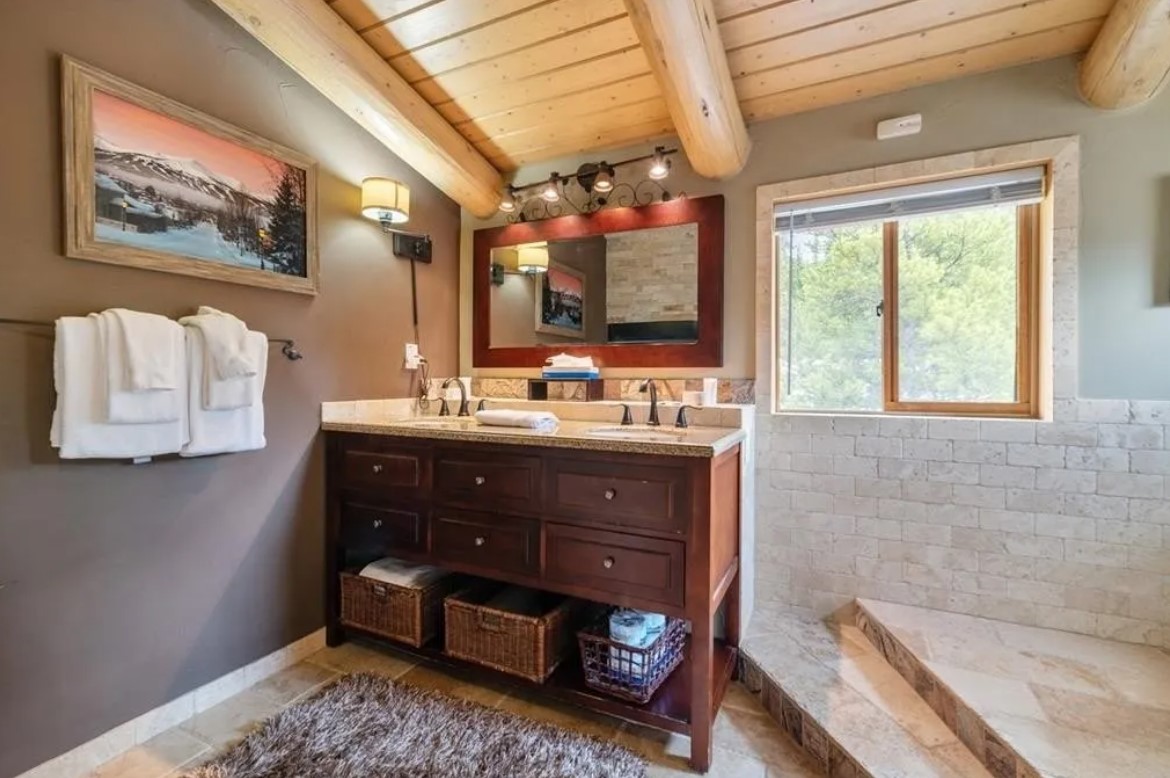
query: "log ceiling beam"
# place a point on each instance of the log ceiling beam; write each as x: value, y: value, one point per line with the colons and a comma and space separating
x: 1130, y: 59
x: 318, y: 44
x: 681, y: 40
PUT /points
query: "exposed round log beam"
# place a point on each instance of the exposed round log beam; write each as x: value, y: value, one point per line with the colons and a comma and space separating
x: 317, y: 43
x: 1130, y: 60
x: 681, y: 40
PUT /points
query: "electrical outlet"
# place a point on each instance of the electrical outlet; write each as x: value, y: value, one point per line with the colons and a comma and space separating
x: 412, y: 359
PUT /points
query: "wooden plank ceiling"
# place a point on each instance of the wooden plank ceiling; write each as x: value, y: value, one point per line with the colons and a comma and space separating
x: 528, y: 80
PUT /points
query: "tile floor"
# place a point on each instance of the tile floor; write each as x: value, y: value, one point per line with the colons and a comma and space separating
x: 748, y: 744
x: 831, y: 681
x: 1068, y: 705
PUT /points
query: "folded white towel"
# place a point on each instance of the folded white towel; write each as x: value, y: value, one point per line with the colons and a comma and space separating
x: 223, y: 431
x: 540, y: 421
x: 395, y: 571
x: 151, y: 357
x: 80, y: 429
x: 226, y: 338
x: 229, y: 372
x: 568, y: 360
x: 124, y: 404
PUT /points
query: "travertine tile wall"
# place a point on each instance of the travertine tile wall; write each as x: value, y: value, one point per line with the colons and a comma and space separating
x: 1061, y: 523
x: 652, y: 275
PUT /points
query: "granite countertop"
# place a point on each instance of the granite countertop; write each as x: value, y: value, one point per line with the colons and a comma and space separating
x: 574, y: 434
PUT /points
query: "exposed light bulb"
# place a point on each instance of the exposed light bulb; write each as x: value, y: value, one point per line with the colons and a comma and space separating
x: 604, y: 181
x: 508, y: 201
x: 550, y: 193
x: 659, y: 165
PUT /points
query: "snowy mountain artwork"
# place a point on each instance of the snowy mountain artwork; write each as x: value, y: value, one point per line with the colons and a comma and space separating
x: 172, y: 189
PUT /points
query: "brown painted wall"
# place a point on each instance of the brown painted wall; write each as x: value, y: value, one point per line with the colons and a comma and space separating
x: 123, y: 587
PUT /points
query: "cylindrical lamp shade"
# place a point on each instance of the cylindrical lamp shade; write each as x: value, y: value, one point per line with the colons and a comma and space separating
x: 532, y: 259
x: 385, y: 200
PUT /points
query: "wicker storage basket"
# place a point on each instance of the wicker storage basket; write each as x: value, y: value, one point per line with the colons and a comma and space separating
x: 624, y: 671
x: 528, y: 646
x: 401, y: 613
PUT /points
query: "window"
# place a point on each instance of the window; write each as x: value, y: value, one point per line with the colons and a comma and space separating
x: 918, y: 299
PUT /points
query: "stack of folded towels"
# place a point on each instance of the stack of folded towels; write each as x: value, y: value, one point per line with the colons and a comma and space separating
x: 566, y: 367
x: 133, y: 385
x: 395, y: 571
x: 636, y: 629
x: 540, y: 421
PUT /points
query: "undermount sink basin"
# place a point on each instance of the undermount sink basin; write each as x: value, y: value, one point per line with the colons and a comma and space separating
x: 652, y: 434
x: 441, y: 423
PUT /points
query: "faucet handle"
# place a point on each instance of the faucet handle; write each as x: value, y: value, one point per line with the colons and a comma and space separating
x: 627, y: 417
x: 680, y: 421
x: 444, y: 410
x: 481, y: 405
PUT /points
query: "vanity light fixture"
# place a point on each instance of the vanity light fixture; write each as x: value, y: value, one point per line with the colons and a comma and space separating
x: 659, y: 164
x: 604, y: 180
x: 508, y: 201
x: 551, y: 192
x: 597, y: 180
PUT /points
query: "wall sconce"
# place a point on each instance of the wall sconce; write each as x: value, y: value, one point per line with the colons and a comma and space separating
x: 533, y: 259
x: 388, y: 202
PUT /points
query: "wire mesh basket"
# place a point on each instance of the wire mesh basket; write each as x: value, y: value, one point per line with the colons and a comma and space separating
x: 630, y: 672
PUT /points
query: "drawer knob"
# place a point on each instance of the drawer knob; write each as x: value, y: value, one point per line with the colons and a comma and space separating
x: 377, y: 523
x: 480, y: 540
x: 480, y: 480
x: 610, y: 494
x: 377, y: 468
x: 607, y: 563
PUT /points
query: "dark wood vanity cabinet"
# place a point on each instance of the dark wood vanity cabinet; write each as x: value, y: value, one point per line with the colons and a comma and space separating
x: 655, y: 532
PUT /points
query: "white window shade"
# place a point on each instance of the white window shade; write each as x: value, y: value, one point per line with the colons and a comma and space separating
x: 1020, y: 187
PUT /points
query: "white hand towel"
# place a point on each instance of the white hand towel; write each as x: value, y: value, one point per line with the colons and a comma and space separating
x: 229, y: 370
x: 539, y: 421
x: 223, y: 431
x: 79, y: 429
x: 227, y: 343
x: 148, y: 342
x: 123, y: 404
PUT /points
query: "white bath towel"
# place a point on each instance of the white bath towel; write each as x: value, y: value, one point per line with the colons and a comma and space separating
x: 123, y: 403
x: 228, y: 363
x: 223, y: 431
x: 400, y: 573
x: 80, y: 429
x: 540, y: 421
x: 148, y: 341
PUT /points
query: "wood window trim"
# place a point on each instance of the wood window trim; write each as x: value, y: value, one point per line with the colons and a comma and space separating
x: 1027, y: 337
x: 1028, y: 280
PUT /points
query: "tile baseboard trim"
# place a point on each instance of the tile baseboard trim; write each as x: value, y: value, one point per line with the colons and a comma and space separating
x: 88, y: 756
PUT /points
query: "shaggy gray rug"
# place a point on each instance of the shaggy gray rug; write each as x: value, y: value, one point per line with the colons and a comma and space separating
x: 367, y: 726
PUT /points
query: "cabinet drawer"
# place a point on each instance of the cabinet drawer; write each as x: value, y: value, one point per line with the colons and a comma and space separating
x: 615, y: 563
x: 392, y: 472
x: 646, y: 496
x: 487, y: 480
x: 486, y: 542
x: 402, y: 528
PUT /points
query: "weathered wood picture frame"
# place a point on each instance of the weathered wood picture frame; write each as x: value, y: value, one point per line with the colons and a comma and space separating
x: 153, y: 184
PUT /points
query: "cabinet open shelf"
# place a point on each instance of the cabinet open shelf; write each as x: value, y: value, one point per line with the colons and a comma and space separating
x: 668, y: 710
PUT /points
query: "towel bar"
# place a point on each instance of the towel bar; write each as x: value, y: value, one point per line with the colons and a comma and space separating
x: 288, y: 347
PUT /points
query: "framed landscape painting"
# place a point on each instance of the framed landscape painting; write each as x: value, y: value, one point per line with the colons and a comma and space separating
x: 153, y: 184
x: 560, y: 302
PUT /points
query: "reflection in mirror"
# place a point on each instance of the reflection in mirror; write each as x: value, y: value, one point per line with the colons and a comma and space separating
x: 639, y: 286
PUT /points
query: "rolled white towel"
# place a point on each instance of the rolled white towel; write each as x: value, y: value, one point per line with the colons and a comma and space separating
x: 540, y: 421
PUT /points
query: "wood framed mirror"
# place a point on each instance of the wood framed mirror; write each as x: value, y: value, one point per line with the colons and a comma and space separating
x: 630, y: 287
